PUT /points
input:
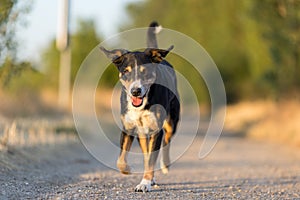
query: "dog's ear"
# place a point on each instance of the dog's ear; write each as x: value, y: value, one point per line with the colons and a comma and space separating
x: 157, y: 55
x: 115, y: 55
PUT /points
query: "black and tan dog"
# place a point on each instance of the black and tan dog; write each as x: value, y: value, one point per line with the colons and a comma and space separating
x: 150, y: 106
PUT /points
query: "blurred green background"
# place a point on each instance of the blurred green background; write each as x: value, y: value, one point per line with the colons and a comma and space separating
x: 254, y: 43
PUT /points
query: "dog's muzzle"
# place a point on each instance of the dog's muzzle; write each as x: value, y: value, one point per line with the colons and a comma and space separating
x: 137, y: 98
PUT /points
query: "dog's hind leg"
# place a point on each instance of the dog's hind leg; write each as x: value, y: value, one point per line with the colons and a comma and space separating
x: 165, y: 158
x: 169, y: 126
x: 125, y: 142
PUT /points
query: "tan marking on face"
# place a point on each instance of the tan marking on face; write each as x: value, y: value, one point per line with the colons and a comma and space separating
x: 156, y: 55
x: 128, y: 68
x: 142, y: 69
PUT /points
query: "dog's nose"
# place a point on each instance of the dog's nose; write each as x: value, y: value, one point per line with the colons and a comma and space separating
x: 136, y: 92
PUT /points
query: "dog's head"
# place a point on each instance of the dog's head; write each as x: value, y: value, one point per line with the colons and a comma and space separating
x: 137, y: 70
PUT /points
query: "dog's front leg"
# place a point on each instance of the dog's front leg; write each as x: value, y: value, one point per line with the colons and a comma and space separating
x: 125, y: 144
x: 150, y: 148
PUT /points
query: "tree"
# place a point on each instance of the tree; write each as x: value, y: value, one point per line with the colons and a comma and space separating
x: 219, y: 26
x: 255, y: 44
x: 10, y: 15
x: 279, y: 21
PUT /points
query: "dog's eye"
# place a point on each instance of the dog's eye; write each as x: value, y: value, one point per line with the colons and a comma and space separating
x: 125, y: 72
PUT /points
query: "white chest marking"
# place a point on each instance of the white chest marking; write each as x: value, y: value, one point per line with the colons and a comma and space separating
x: 144, y: 121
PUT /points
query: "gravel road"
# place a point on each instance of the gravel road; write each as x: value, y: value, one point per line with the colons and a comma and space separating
x: 238, y: 168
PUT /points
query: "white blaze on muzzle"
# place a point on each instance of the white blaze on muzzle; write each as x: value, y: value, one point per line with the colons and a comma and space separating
x: 137, y: 100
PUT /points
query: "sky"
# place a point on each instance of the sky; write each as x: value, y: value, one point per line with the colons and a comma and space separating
x: 41, y: 22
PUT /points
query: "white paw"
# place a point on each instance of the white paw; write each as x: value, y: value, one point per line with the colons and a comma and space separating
x: 144, y: 186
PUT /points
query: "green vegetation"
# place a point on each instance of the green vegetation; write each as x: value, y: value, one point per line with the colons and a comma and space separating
x: 255, y: 44
x: 280, y: 25
x: 82, y: 42
x: 11, y: 12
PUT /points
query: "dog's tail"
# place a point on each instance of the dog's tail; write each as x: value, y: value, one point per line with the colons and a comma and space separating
x: 154, y: 28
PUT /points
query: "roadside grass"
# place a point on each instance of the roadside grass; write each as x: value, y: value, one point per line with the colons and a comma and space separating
x: 30, y: 120
x: 266, y: 120
x: 25, y: 141
x: 22, y: 133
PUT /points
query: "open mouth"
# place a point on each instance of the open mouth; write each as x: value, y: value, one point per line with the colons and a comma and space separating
x: 137, y: 101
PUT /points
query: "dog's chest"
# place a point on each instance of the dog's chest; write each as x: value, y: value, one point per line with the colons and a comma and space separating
x: 143, y: 121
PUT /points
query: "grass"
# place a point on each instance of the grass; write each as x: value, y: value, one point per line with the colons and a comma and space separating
x: 24, y: 140
x: 21, y: 133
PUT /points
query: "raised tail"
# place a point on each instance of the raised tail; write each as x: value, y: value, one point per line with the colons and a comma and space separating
x: 154, y: 28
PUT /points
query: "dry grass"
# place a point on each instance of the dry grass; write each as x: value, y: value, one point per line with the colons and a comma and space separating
x: 31, y: 119
x: 29, y: 104
x: 36, y: 120
x: 266, y: 120
x: 22, y: 133
x: 27, y: 121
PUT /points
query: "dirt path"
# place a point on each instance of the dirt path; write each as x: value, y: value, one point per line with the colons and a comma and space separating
x: 237, y: 168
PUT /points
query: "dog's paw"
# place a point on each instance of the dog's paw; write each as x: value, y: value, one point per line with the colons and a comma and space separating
x: 144, y: 186
x: 124, y: 168
x: 164, y: 168
x: 153, y: 182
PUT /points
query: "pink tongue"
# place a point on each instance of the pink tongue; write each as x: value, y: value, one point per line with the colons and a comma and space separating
x: 136, y: 101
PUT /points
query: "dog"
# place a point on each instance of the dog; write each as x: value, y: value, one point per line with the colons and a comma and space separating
x: 150, y: 108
